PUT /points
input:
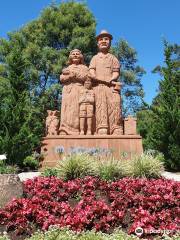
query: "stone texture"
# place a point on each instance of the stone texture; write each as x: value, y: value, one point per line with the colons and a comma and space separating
x: 86, y: 107
x: 10, y: 187
x: 91, y: 111
x: 119, y: 144
x: 104, y: 69
x: 52, y: 122
x: 130, y: 126
x: 72, y: 78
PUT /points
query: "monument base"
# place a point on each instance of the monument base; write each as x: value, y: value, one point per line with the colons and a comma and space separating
x: 130, y: 144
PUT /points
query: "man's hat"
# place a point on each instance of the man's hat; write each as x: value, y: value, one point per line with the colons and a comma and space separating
x: 104, y: 33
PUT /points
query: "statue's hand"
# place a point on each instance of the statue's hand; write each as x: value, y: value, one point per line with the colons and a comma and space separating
x: 92, y: 75
x: 65, y: 72
x: 72, y: 75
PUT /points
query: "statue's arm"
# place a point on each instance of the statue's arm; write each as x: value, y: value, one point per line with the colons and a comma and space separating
x: 115, y: 76
x: 92, y: 73
x: 66, y: 75
x: 63, y: 78
x: 82, y: 74
x: 116, y: 70
x: 92, y: 68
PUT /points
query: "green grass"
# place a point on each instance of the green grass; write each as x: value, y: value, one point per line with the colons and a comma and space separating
x: 108, y: 169
x: 74, y: 166
x: 146, y: 165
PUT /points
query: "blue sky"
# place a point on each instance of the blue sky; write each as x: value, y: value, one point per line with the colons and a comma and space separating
x: 143, y: 23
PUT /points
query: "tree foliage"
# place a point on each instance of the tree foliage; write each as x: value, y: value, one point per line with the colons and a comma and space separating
x: 131, y: 74
x: 31, y: 60
x: 162, y: 129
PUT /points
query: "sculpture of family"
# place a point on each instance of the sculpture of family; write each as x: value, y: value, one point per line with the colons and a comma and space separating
x: 91, y: 102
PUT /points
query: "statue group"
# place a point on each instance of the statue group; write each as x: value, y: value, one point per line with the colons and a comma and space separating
x: 91, y: 101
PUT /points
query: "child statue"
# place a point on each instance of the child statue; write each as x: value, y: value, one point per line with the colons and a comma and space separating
x: 86, y: 104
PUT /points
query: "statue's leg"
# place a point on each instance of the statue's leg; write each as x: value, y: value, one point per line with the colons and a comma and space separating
x: 101, y: 113
x: 82, y: 116
x: 89, y: 126
x: 82, y: 123
x: 115, y: 113
x: 89, y: 118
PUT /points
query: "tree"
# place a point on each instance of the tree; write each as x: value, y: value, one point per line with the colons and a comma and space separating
x: 30, y: 63
x: 131, y: 74
x: 31, y: 60
x: 162, y: 131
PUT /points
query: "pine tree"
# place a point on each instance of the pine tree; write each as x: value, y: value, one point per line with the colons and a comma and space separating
x: 131, y: 73
x: 160, y: 125
x: 31, y: 60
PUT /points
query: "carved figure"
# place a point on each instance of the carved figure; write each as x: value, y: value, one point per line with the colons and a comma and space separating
x: 52, y: 122
x: 130, y: 125
x: 105, y: 70
x: 72, y: 78
x: 86, y: 102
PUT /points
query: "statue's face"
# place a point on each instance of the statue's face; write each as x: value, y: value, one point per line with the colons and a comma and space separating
x: 87, y: 84
x: 104, y: 43
x: 75, y: 57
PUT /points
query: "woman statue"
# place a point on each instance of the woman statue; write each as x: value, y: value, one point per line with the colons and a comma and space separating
x: 73, y: 78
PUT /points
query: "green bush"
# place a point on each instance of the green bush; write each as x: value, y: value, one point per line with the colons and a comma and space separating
x: 148, y: 165
x: 31, y: 162
x: 4, y: 237
x: 74, y: 166
x: 108, y: 169
x: 7, y: 169
x: 50, y: 172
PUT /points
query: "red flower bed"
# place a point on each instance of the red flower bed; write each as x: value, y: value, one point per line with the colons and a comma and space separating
x: 91, y: 203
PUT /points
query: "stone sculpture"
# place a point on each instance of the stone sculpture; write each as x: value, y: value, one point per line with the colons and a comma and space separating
x: 86, y: 102
x: 105, y: 70
x: 130, y: 125
x: 52, y: 122
x: 73, y: 78
x: 91, y: 108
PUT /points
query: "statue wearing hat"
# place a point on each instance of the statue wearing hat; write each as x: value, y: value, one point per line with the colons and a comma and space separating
x: 105, y: 70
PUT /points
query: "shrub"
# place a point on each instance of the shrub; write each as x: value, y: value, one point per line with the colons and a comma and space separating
x: 31, y: 162
x: 108, y: 169
x: 4, y: 238
x: 103, y: 206
x: 148, y: 165
x: 78, y: 165
x: 7, y: 169
x: 74, y: 166
x: 50, y: 172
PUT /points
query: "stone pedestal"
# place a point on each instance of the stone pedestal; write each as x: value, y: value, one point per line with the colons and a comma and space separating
x: 130, y: 144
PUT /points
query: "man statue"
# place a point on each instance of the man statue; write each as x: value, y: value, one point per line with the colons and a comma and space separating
x: 104, y: 70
